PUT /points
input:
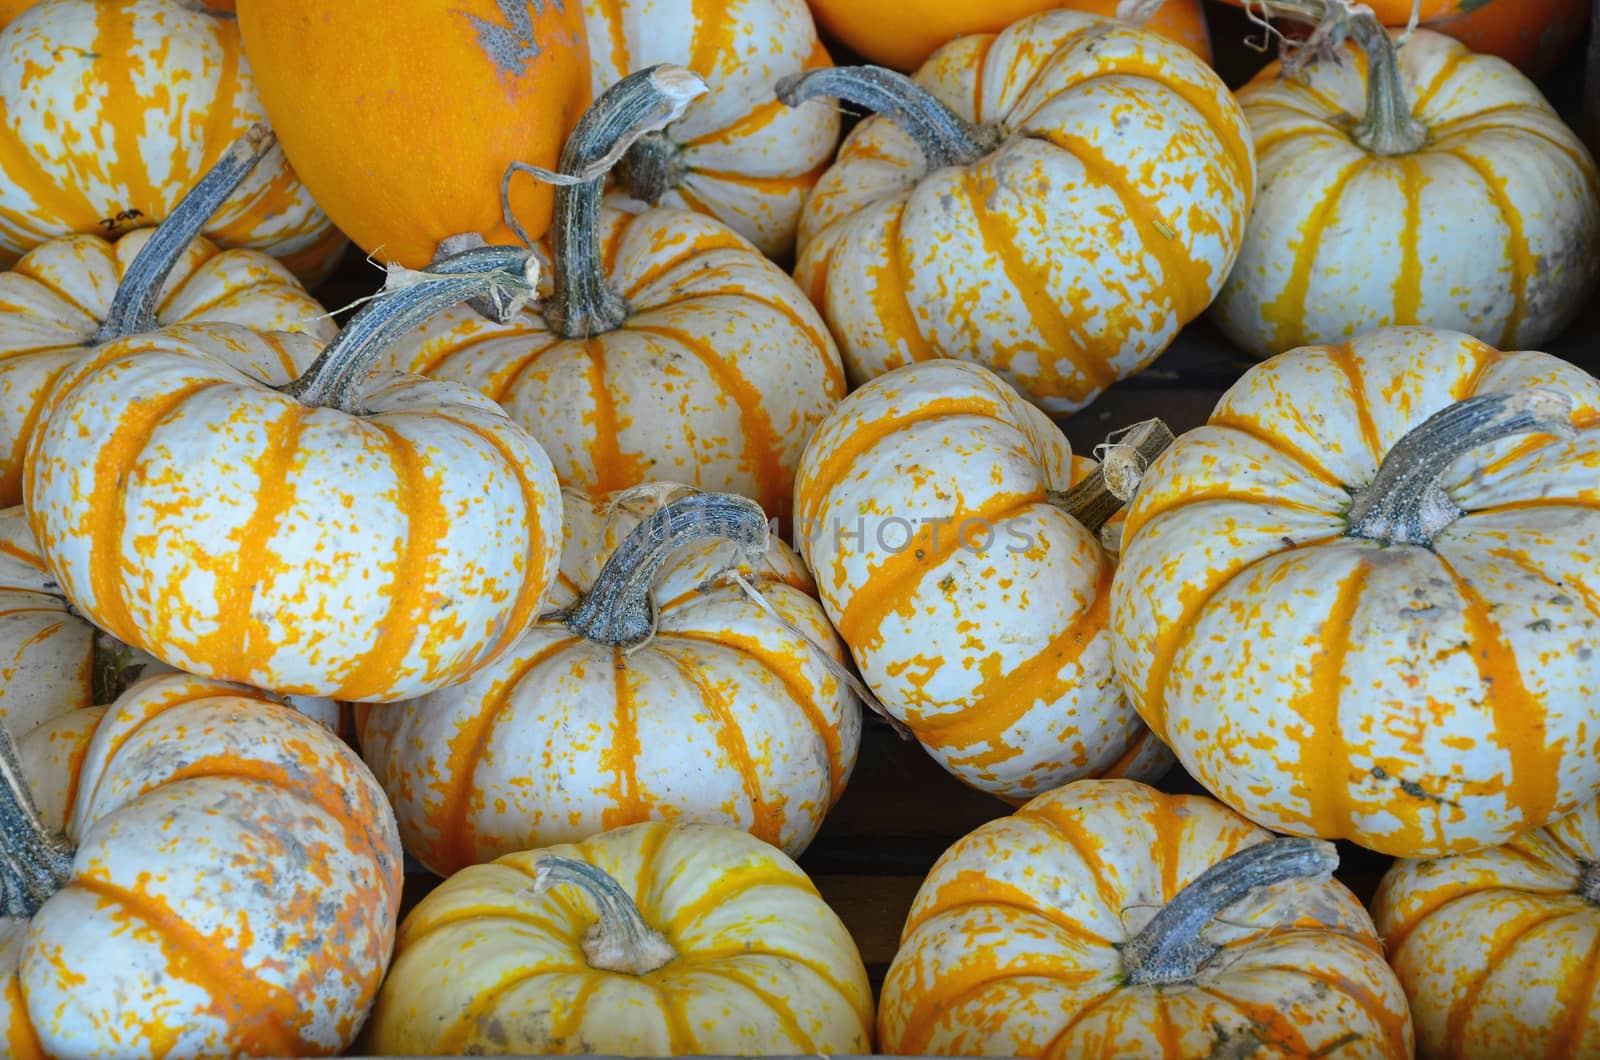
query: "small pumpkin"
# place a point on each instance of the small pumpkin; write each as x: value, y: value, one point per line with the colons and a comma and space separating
x: 1107, y: 919
x: 1054, y: 202
x: 1532, y: 34
x: 736, y: 153
x: 1426, y: 185
x: 216, y: 843
x: 73, y: 293
x: 51, y: 660
x: 666, y: 348
x: 1496, y: 949
x: 338, y: 535
x: 401, y: 118
x: 901, y: 34
x: 109, y: 140
x: 649, y: 940
x: 935, y: 509
x: 1357, y: 602
x: 650, y: 690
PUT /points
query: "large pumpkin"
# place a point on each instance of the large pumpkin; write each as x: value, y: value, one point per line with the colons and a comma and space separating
x: 665, y: 347
x: 1106, y: 919
x: 227, y: 885
x: 1358, y: 602
x: 402, y: 118
x: 736, y: 153
x: 68, y: 295
x: 339, y: 535
x: 901, y: 34
x: 650, y: 940
x: 1497, y: 949
x: 932, y: 509
x: 111, y: 139
x: 1053, y: 202
x: 1442, y: 190
x: 651, y: 690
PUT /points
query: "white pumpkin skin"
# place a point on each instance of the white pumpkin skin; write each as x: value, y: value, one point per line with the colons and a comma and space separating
x: 1491, y: 228
x: 975, y: 609
x: 234, y: 890
x: 737, y: 153
x: 1417, y: 700
x: 724, y: 716
x: 112, y: 136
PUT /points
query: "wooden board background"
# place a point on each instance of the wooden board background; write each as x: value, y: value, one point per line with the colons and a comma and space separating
x: 902, y: 810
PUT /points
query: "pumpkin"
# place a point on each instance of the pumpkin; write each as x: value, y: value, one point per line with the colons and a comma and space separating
x: 112, y: 139
x: 1356, y: 603
x: 737, y: 153
x: 649, y: 940
x: 1532, y: 34
x: 650, y: 690
x: 334, y: 536
x: 68, y: 295
x: 1496, y: 949
x: 1442, y: 190
x: 227, y: 884
x: 401, y: 119
x: 933, y: 508
x: 901, y: 34
x: 51, y: 660
x: 666, y: 348
x: 1053, y: 202
x: 1107, y: 919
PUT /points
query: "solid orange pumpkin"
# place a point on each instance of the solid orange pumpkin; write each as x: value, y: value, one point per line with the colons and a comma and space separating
x: 403, y: 138
x: 901, y: 34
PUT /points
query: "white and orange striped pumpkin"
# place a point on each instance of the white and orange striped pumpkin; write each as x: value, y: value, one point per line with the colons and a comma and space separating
x: 73, y: 293
x: 1443, y: 190
x: 1075, y: 192
x: 650, y: 691
x: 665, y: 348
x: 228, y: 883
x: 1358, y: 602
x: 1497, y: 949
x: 649, y: 940
x: 976, y: 609
x: 343, y: 536
x: 737, y: 153
x: 100, y: 134
x: 1106, y: 919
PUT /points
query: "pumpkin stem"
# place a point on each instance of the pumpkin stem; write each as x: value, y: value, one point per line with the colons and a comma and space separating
x: 113, y: 667
x: 1124, y: 458
x: 1405, y: 504
x: 35, y: 863
x: 582, y: 303
x: 506, y: 278
x: 136, y: 305
x: 618, y: 610
x: 652, y: 167
x: 621, y: 940
x: 1172, y: 947
x: 946, y: 138
x: 1389, y: 127
x: 1589, y: 883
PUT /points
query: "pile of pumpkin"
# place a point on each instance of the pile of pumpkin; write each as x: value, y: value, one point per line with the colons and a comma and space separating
x: 488, y: 575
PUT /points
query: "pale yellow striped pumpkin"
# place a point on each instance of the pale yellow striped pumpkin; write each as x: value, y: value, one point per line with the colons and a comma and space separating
x: 1361, y: 601
x: 1075, y: 193
x: 737, y: 153
x: 1472, y: 208
x: 976, y: 609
